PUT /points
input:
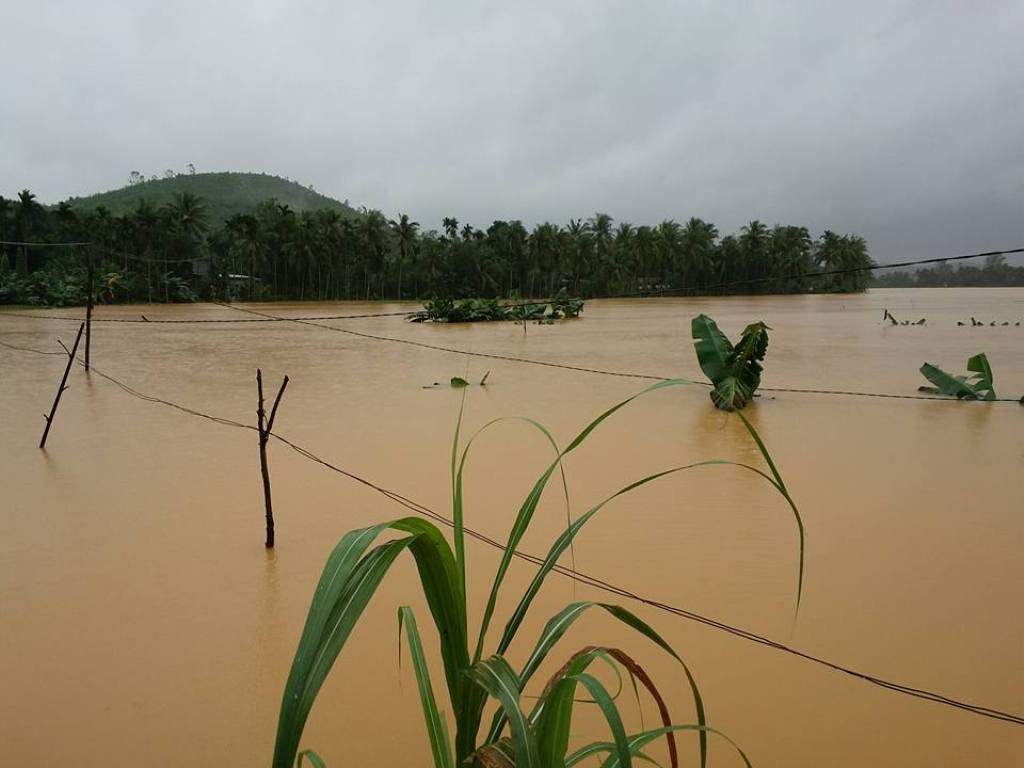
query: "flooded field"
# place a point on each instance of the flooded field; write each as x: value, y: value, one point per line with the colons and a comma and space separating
x: 141, y: 618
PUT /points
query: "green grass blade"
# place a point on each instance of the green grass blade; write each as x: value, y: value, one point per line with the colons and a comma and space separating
x: 496, y: 677
x: 436, y: 731
x: 611, y: 715
x: 779, y: 483
x: 317, y: 652
x: 640, y: 740
x: 529, y: 506
x: 562, y: 543
x: 458, y: 530
x: 348, y: 582
x: 315, y: 760
x: 469, y: 715
x: 553, y: 714
x: 334, y: 580
x: 559, y: 624
x: 439, y: 578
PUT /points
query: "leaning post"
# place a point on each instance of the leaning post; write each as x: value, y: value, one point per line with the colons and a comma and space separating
x: 62, y: 387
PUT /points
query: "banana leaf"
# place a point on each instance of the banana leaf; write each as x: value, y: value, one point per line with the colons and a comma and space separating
x: 975, y: 387
x: 734, y: 371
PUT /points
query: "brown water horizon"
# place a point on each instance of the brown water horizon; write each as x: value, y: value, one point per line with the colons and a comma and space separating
x: 141, y: 616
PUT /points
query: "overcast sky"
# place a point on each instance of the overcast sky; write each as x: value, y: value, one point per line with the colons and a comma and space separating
x: 900, y: 121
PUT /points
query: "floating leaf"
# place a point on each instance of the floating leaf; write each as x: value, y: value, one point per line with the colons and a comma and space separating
x: 458, y: 382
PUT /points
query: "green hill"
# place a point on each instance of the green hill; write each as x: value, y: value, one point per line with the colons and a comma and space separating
x: 223, y: 194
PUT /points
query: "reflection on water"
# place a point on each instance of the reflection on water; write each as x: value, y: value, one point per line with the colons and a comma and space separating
x: 140, y: 614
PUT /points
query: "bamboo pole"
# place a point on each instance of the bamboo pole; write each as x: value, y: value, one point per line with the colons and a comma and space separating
x: 62, y: 387
x: 264, y: 426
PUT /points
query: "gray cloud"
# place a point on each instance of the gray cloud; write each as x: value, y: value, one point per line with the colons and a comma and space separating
x: 899, y: 121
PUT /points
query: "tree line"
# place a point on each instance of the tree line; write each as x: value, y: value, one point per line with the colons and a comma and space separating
x: 174, y: 253
x: 994, y: 272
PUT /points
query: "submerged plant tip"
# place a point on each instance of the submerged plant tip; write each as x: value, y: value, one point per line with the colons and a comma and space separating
x: 734, y: 371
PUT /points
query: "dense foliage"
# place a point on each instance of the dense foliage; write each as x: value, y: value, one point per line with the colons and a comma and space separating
x: 477, y: 310
x: 994, y: 272
x: 153, y: 252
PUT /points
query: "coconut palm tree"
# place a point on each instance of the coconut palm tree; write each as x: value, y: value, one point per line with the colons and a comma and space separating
x: 6, y: 207
x: 668, y: 236
x: 404, y: 232
x: 698, y: 252
x: 27, y: 215
x: 753, y: 242
x: 374, y: 236
x: 646, y: 257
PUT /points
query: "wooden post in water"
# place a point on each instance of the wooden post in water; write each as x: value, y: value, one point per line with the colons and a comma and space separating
x: 62, y: 387
x: 264, y: 426
x: 90, y: 290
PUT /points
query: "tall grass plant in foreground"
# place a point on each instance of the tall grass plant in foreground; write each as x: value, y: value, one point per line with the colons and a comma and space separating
x: 536, y: 737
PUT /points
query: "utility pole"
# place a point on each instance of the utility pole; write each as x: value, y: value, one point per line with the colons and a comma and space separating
x: 90, y: 291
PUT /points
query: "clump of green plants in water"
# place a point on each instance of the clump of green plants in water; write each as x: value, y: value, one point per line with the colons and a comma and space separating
x: 538, y: 736
x: 976, y: 386
x: 734, y: 371
x: 457, y: 382
x: 487, y: 310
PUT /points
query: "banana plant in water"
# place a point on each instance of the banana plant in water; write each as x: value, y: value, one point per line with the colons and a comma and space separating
x: 976, y: 386
x: 534, y: 737
x: 734, y: 371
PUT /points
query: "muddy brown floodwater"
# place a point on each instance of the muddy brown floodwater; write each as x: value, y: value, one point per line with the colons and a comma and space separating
x: 141, y: 619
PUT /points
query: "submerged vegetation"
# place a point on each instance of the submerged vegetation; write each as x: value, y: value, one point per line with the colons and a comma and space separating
x: 538, y: 736
x: 483, y: 310
x: 976, y: 386
x: 734, y: 371
x: 221, y: 244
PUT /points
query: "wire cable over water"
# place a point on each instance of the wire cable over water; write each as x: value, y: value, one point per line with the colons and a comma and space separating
x: 582, y: 578
x: 602, y: 372
x: 263, y: 316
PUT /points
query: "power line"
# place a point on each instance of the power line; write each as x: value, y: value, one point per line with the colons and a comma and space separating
x: 453, y: 350
x: 30, y: 349
x: 562, y: 366
x: 199, y: 321
x: 42, y: 245
x: 592, y: 581
x: 599, y: 371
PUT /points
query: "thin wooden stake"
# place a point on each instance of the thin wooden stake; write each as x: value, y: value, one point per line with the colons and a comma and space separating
x: 91, y: 289
x: 63, y: 385
x: 264, y: 427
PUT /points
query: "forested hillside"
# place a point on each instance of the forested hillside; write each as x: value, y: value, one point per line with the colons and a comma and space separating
x: 228, y: 245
